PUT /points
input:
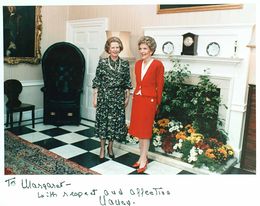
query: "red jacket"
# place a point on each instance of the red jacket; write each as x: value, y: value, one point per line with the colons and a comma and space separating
x: 153, y: 81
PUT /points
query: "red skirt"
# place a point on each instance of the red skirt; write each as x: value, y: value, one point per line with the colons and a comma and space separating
x: 142, y: 116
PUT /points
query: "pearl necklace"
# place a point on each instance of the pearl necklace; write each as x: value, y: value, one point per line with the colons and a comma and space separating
x: 116, y: 67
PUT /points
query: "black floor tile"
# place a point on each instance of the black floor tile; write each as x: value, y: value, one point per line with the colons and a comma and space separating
x: 88, y: 160
x: 135, y: 173
x: 20, y: 130
x: 184, y: 172
x: 55, y: 132
x: 127, y: 159
x: 88, y: 144
x: 50, y: 143
x: 87, y: 132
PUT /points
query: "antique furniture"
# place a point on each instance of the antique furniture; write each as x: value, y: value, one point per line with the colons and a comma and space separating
x: 63, y: 67
x: 12, y: 89
x: 189, y: 44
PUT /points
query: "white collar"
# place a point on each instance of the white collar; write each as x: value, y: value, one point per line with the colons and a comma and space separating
x: 145, y: 68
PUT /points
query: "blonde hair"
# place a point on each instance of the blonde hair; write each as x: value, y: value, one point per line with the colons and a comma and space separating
x: 113, y: 39
x: 149, y: 41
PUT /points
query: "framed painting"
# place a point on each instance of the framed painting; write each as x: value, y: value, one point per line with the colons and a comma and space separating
x: 178, y: 8
x: 22, y: 29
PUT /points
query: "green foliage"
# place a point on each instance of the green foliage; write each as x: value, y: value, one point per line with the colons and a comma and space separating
x: 185, y: 149
x: 203, y: 160
x: 206, y: 101
x: 196, y: 104
x: 176, y: 94
x: 179, y: 73
x: 222, y: 135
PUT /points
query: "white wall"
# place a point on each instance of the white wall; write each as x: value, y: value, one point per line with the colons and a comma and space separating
x: 121, y: 18
x: 134, y: 17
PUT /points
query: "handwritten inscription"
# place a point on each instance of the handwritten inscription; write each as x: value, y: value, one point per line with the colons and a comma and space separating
x: 28, y: 184
x: 103, y: 197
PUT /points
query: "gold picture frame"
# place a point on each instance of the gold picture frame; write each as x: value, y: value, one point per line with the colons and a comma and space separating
x: 178, y: 8
x: 22, y: 34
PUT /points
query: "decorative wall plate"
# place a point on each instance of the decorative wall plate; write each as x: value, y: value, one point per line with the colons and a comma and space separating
x: 168, y: 47
x: 213, y: 49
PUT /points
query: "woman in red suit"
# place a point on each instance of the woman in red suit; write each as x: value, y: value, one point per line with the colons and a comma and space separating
x: 149, y: 74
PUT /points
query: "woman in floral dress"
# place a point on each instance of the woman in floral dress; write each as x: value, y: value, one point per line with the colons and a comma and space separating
x: 111, y: 87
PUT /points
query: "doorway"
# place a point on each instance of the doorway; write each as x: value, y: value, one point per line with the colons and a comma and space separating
x: 89, y: 35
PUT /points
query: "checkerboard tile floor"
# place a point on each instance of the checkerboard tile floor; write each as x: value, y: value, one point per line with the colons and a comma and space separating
x: 78, y: 144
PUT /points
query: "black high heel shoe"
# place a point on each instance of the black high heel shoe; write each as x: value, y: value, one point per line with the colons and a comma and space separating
x: 102, y: 159
x: 112, y: 156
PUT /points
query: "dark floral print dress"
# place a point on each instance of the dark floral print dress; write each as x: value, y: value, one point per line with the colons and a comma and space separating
x: 112, y: 79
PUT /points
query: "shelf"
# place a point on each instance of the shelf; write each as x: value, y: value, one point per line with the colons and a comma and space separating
x: 175, y: 161
x: 187, y: 58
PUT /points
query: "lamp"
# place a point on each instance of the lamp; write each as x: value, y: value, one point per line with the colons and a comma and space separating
x: 124, y: 37
x: 252, y: 60
x: 252, y: 40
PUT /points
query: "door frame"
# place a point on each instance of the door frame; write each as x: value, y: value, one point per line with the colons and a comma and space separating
x: 98, y: 24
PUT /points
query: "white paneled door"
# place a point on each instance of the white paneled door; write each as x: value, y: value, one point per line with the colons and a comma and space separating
x: 89, y: 35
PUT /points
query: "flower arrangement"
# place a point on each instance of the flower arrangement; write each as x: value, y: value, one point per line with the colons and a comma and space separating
x: 163, y: 133
x: 194, y: 148
x: 201, y: 142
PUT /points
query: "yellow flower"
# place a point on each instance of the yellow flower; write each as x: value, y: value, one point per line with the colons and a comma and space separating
x: 223, y: 151
x: 163, y: 122
x: 230, y: 153
x: 228, y: 147
x: 156, y: 130
x: 209, y: 153
x: 181, y: 135
x: 195, y: 137
x: 229, y: 150
x: 190, y: 129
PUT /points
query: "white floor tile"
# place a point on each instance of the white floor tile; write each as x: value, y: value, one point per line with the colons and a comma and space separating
x: 68, y: 151
x: 74, y: 128
x: 95, y: 138
x: 71, y: 138
x: 34, y: 137
x: 107, y: 168
x: 86, y: 122
x: 157, y: 168
x: 117, y: 152
x: 133, y: 145
x: 112, y: 168
x: 41, y: 127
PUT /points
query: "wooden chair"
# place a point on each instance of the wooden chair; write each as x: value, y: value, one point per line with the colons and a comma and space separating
x: 12, y: 89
